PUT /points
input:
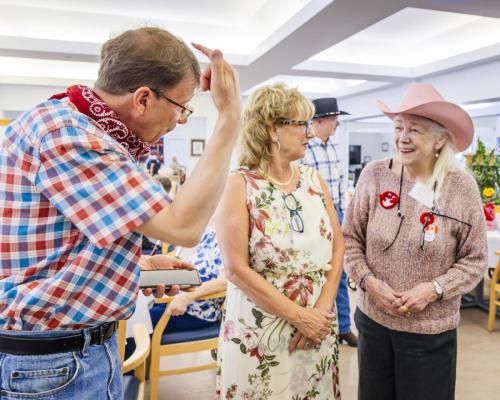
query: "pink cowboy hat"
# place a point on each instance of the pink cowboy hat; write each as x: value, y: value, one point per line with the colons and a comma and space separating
x: 424, y: 100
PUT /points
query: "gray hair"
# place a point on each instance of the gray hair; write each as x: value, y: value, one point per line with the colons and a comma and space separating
x: 146, y: 56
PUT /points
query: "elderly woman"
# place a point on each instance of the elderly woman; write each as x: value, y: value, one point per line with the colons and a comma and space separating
x: 415, y: 243
x: 282, y: 249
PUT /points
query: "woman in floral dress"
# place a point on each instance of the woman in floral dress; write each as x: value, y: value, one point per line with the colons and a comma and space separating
x: 283, y: 250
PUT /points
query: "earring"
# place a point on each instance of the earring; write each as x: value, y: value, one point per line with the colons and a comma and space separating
x: 279, y: 146
x: 267, y: 152
x: 437, y: 154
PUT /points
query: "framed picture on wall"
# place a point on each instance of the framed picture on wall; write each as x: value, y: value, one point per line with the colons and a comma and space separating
x: 498, y: 145
x: 197, y: 147
x: 385, y: 146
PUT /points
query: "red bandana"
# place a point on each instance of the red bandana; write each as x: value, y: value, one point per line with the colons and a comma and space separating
x: 90, y: 104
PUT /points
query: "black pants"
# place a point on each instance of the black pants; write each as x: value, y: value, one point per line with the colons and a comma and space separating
x: 395, y: 365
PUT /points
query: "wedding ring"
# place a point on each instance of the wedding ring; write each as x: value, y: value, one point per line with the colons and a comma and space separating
x: 307, y: 345
x: 404, y: 308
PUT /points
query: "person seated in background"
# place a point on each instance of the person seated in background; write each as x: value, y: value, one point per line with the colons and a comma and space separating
x: 148, y: 245
x: 185, y: 311
x: 153, y: 163
x: 165, y: 182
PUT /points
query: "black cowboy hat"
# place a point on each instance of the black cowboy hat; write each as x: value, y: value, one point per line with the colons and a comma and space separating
x: 327, y: 106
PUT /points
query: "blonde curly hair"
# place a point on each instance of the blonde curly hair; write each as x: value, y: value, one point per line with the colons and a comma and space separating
x: 265, y: 106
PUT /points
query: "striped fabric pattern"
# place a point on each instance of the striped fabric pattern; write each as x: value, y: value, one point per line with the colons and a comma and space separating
x: 70, y: 198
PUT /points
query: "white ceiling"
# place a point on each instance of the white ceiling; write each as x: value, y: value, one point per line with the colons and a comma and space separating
x: 324, y: 47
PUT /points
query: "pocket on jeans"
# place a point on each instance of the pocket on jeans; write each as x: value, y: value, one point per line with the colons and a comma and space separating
x: 35, y: 376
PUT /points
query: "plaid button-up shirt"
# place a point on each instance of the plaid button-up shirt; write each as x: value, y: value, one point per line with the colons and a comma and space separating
x: 325, y: 158
x: 70, y: 199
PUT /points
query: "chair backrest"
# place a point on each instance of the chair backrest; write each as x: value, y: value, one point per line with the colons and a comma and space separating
x: 134, y: 384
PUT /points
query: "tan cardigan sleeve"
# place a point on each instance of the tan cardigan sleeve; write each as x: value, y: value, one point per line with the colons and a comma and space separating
x: 355, y: 224
x: 472, y: 248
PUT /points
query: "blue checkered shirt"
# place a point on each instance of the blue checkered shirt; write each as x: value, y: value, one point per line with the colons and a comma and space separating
x: 325, y: 158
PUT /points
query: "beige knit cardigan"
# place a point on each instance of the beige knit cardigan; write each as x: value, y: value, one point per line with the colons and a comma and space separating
x: 457, y: 258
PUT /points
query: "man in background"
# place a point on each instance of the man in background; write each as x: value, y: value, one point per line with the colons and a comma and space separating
x: 322, y: 153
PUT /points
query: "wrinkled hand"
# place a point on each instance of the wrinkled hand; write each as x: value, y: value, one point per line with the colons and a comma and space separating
x: 179, y: 304
x: 314, y: 324
x: 221, y: 79
x: 416, y: 299
x: 300, y: 342
x: 158, y: 262
x: 383, y: 295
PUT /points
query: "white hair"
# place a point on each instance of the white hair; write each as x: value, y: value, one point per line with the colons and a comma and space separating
x: 446, y: 161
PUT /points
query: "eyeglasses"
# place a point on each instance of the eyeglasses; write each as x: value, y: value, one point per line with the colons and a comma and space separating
x: 307, y: 124
x: 186, y: 111
x: 291, y: 203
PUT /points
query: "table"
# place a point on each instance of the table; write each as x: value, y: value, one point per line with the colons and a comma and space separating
x: 493, y: 245
x: 476, y: 297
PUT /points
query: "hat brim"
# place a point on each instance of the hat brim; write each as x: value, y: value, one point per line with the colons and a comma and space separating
x: 333, y: 113
x: 449, y: 115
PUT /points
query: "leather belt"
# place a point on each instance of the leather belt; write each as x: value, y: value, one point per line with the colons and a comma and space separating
x: 30, y: 345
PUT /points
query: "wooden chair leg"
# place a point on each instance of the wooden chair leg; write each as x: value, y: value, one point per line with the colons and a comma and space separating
x: 154, y: 375
x: 493, y: 310
x: 493, y: 298
x: 148, y: 366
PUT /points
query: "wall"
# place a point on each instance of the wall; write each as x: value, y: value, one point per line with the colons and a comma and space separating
x: 371, y: 144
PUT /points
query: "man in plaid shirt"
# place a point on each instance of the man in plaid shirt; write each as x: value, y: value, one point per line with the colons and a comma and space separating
x: 323, y: 154
x: 74, y: 203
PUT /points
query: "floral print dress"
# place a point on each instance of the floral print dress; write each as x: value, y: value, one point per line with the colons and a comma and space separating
x: 253, y: 357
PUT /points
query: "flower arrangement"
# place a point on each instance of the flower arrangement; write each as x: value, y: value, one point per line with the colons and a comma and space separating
x: 485, y: 166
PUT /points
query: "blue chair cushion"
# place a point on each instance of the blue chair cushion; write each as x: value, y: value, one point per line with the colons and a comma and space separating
x: 191, y: 335
x: 130, y: 387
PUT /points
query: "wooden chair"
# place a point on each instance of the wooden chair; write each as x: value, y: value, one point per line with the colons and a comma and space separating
x: 494, y: 295
x: 133, y: 385
x: 180, y: 343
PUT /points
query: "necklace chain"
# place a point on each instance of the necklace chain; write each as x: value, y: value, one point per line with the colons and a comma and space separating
x: 275, y: 181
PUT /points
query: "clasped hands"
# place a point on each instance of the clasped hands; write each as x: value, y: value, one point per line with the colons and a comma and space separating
x: 313, y: 326
x: 400, y: 304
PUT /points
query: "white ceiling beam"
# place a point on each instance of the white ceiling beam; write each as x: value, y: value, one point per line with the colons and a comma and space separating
x: 483, y: 8
x: 351, y: 71
x: 336, y: 22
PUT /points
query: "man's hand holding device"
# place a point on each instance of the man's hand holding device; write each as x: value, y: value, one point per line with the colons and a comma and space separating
x: 159, y: 272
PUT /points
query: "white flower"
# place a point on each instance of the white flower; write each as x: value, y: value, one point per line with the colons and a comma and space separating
x: 249, y: 338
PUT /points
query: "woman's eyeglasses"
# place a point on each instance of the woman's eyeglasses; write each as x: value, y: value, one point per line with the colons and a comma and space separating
x: 307, y: 124
x: 291, y: 203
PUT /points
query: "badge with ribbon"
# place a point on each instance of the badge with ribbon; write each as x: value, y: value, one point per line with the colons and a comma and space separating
x: 388, y: 199
x: 430, y: 229
x: 427, y: 219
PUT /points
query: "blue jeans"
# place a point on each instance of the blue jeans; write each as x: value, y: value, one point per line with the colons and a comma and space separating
x: 93, y: 373
x: 342, y: 300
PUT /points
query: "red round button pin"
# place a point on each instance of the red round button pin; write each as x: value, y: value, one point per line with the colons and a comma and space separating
x: 388, y: 199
